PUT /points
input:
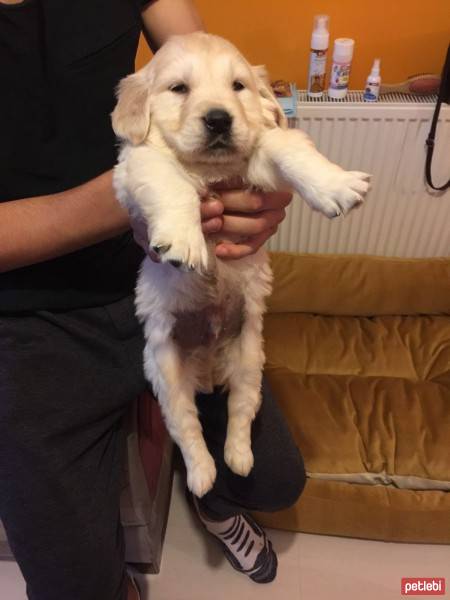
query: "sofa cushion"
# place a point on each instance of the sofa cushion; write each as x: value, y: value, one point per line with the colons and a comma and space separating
x: 331, y: 284
x: 358, y: 356
x: 367, y: 398
x: 374, y: 512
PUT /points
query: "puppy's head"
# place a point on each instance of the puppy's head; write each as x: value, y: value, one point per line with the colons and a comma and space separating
x: 202, y: 97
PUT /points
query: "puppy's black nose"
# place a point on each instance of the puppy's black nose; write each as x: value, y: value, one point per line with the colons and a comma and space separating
x: 218, y: 121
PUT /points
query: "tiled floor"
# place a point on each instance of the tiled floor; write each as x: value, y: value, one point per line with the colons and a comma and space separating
x: 310, y: 567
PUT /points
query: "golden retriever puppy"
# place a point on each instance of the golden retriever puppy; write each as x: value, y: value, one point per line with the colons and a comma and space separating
x: 197, y: 114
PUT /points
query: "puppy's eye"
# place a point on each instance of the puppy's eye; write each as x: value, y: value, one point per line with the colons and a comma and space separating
x: 238, y: 85
x: 179, y: 88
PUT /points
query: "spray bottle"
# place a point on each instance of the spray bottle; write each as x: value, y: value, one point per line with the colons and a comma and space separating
x: 340, y: 71
x: 372, y: 89
x: 318, y: 56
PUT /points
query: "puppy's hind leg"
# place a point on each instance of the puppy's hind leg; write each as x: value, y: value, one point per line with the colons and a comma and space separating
x: 244, y: 397
x: 174, y: 387
x: 244, y: 379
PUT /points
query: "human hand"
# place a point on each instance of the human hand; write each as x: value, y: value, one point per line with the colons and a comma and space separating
x: 247, y: 217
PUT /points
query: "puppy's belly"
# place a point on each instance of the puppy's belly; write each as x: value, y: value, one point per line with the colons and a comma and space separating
x: 203, y: 337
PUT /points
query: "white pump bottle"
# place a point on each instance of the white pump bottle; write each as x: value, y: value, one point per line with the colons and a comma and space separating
x: 318, y: 56
x: 372, y: 89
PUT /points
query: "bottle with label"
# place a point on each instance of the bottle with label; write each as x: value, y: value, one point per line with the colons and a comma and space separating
x: 340, y: 71
x: 318, y: 56
x: 372, y: 89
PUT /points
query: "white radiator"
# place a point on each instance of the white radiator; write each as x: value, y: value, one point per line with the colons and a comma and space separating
x: 401, y: 216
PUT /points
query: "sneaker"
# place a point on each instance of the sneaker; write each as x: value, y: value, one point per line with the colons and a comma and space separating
x: 244, y: 543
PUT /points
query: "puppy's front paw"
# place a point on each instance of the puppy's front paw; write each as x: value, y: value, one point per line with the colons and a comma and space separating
x: 185, y: 248
x: 344, y: 191
x: 239, y: 457
x: 201, y: 475
x: 352, y: 189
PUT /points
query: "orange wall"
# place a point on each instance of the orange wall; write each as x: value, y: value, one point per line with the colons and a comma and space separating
x: 410, y: 36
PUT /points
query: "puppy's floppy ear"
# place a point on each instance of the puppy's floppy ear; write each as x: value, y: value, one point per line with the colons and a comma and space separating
x: 272, y: 111
x: 131, y: 116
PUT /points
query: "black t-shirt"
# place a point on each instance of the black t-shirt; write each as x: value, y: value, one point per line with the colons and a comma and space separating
x: 60, y: 62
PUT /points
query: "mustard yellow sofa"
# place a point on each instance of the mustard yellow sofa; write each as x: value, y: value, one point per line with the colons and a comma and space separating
x: 358, y: 356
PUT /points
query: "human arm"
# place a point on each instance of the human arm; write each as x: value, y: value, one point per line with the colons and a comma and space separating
x: 163, y: 18
x: 44, y: 227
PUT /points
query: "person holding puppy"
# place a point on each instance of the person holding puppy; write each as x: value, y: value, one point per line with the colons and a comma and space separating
x: 70, y: 345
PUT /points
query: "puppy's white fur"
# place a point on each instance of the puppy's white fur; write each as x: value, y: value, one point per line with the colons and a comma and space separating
x: 167, y: 162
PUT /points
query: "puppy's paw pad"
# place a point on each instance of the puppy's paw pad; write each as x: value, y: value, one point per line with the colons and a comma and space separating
x: 201, y: 476
x: 175, y: 263
x: 240, y: 461
x: 330, y: 209
x: 161, y: 249
x: 349, y: 201
x: 186, y: 250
